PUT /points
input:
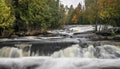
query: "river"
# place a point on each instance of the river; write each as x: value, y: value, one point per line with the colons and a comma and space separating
x: 71, y: 48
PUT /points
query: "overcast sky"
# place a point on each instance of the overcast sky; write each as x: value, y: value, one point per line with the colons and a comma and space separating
x: 72, y: 2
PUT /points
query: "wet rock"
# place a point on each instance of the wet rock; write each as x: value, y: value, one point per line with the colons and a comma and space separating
x: 115, y: 29
x: 14, y: 36
x: 83, y: 45
x: 97, y: 44
x: 117, y: 37
x: 4, y: 66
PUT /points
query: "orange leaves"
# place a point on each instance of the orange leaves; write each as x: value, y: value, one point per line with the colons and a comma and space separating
x: 74, y: 19
x: 77, y: 14
x: 107, y: 8
x: 110, y: 1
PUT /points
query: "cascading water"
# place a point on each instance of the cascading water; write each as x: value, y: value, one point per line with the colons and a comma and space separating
x: 60, y: 54
x: 35, y: 47
x: 72, y: 57
x: 10, y: 52
x: 15, y: 53
x: 57, y: 53
x: 103, y: 52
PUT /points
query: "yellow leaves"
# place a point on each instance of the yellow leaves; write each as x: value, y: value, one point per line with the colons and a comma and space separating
x: 104, y: 14
x: 5, y: 11
x: 77, y: 14
x: 5, y: 17
x: 8, y: 22
x: 105, y: 8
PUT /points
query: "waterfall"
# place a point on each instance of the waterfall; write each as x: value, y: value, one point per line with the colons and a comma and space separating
x: 58, y: 53
x: 103, y: 52
x: 10, y: 52
x: 15, y: 52
x: 90, y: 51
x: 4, y: 52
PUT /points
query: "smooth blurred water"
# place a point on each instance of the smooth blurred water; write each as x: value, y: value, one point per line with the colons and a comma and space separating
x: 102, y: 52
x: 57, y: 53
x: 90, y: 51
x: 59, y: 63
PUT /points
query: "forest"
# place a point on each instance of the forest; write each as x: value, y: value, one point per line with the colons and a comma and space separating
x: 33, y: 17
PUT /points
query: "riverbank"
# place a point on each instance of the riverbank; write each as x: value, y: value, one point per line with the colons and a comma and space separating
x: 83, y: 32
x: 91, y: 37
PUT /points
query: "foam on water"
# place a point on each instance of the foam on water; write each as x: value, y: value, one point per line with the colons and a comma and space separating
x: 59, y: 63
x: 10, y: 52
x: 105, y: 51
x: 73, y: 29
x: 70, y: 57
x: 15, y: 52
x: 74, y: 57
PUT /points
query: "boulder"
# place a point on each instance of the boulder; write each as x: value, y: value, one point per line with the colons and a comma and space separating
x: 117, y: 37
x: 14, y: 36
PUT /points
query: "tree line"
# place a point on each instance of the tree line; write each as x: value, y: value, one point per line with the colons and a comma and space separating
x: 37, y: 16
x: 26, y: 16
x: 94, y: 12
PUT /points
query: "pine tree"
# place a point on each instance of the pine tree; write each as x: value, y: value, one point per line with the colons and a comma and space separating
x: 69, y: 15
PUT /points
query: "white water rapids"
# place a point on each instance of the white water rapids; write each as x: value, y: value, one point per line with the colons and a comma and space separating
x: 103, y: 52
x: 59, y: 63
x: 69, y: 57
x: 75, y: 57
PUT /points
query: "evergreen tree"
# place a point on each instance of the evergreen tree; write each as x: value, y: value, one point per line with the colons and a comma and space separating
x: 69, y: 15
x: 54, y: 13
x: 62, y: 16
x: 76, y: 16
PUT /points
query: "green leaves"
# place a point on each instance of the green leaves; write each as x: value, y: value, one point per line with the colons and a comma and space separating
x: 103, y: 11
x: 36, y: 14
x: 6, y: 19
x: 109, y: 10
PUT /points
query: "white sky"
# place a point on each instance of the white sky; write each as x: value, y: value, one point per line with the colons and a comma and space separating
x: 72, y: 2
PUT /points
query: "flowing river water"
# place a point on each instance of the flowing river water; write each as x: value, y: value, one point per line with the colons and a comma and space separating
x: 58, y: 53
